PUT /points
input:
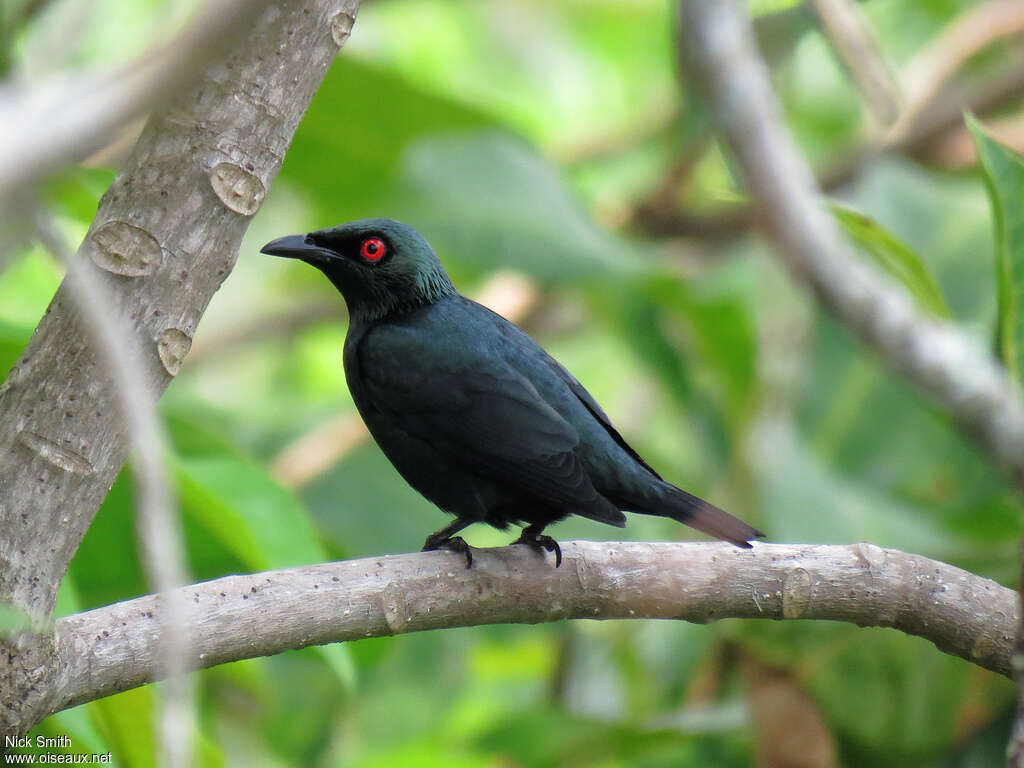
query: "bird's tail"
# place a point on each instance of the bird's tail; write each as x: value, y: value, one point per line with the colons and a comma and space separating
x: 707, y: 518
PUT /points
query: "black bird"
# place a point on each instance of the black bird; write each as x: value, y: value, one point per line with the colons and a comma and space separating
x: 470, y: 410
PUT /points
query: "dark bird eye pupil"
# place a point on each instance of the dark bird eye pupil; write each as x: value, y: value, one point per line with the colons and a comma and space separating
x: 372, y: 249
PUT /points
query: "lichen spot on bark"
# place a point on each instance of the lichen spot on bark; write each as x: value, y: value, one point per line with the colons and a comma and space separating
x: 238, y: 189
x: 125, y: 249
x: 796, y: 594
x: 341, y: 27
x: 872, y: 556
x: 56, y: 454
x: 172, y: 345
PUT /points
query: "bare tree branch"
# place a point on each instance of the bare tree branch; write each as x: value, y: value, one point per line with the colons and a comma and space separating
x: 938, y: 357
x: 973, y: 30
x: 941, y: 115
x: 944, y: 115
x: 857, y: 47
x: 51, y: 125
x: 25, y: 13
x: 158, y: 519
x: 111, y: 649
x: 165, y: 236
x: 956, y: 149
x: 926, y: 123
x: 263, y: 327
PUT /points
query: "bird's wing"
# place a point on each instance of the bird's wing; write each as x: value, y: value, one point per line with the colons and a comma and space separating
x: 515, y: 335
x: 481, y: 414
x: 597, y: 412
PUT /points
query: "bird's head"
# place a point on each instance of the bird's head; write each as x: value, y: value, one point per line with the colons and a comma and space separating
x: 379, y: 265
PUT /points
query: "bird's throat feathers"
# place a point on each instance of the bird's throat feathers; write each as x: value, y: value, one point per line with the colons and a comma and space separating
x: 390, y: 292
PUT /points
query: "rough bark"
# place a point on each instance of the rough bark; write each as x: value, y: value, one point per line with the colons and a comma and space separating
x: 111, y: 649
x: 43, y: 128
x: 165, y: 236
x: 939, y: 357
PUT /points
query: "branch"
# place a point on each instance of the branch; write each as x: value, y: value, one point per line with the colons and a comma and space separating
x: 112, y: 649
x: 165, y: 236
x: 855, y: 43
x: 956, y: 149
x: 930, y: 122
x: 925, y: 122
x: 973, y: 30
x: 285, y: 324
x: 158, y: 519
x: 938, y: 357
x: 49, y: 126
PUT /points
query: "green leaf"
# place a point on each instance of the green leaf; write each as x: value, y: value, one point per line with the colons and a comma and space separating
x: 238, y: 504
x: 346, y: 154
x: 235, y: 502
x: 75, y: 191
x: 863, y: 427
x: 491, y: 202
x: 895, y: 257
x: 26, y: 286
x: 106, y: 567
x: 128, y: 722
x: 892, y: 699
x: 1003, y: 172
x: 13, y: 339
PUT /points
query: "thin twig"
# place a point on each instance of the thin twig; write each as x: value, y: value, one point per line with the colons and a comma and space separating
x: 857, y: 46
x: 166, y: 235
x: 312, y: 453
x: 109, y: 649
x: 25, y: 13
x: 941, y: 115
x: 647, y: 126
x: 925, y: 75
x: 284, y: 324
x: 938, y: 357
x: 956, y: 150
x: 46, y: 127
x: 158, y: 520
x: 973, y: 389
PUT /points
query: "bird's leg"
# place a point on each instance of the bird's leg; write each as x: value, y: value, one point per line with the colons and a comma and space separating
x: 533, y: 538
x: 444, y: 539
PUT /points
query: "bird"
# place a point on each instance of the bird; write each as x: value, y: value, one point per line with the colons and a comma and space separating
x: 470, y: 410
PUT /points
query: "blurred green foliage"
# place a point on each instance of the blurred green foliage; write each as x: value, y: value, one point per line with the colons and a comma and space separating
x: 1004, y: 179
x: 515, y: 135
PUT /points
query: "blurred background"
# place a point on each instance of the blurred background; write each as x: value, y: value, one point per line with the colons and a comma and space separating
x: 568, y: 179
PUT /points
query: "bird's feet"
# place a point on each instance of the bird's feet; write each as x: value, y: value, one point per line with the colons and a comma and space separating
x: 451, y: 543
x: 540, y: 542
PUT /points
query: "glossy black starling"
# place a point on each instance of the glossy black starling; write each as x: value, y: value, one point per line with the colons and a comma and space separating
x: 470, y: 410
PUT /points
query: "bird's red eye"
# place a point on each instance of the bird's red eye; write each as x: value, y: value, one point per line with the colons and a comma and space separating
x: 373, y: 249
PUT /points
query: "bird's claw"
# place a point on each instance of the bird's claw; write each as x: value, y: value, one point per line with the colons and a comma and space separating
x: 541, y: 542
x: 452, y: 544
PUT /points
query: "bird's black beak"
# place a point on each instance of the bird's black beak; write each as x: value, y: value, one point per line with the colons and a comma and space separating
x: 296, y: 247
